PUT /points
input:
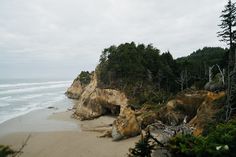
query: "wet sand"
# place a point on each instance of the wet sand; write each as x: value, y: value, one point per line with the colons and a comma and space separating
x: 56, y: 134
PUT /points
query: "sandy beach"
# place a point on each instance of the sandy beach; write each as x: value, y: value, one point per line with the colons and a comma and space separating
x: 56, y: 134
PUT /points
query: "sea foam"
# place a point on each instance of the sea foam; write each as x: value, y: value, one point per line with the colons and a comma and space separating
x: 31, y: 89
x: 32, y: 84
x: 21, y: 98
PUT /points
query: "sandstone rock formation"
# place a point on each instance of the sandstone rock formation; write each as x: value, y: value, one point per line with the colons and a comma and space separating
x: 126, y: 125
x: 206, y: 112
x: 197, y: 106
x: 94, y: 102
x: 75, y: 90
x: 193, y: 107
x: 184, y: 104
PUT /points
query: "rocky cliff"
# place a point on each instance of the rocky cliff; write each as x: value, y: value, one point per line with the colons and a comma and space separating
x: 94, y: 102
x: 195, y: 108
x: 75, y: 90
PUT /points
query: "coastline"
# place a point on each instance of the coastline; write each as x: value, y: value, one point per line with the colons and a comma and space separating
x: 55, y: 134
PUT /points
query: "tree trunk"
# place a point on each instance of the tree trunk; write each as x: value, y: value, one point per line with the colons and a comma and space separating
x: 221, y: 73
x: 210, y: 73
x: 231, y: 90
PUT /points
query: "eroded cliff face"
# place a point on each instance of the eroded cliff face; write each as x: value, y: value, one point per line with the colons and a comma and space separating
x: 206, y: 112
x: 94, y: 102
x: 193, y: 108
x: 183, y: 105
x: 126, y: 125
x: 196, y: 108
x: 75, y: 90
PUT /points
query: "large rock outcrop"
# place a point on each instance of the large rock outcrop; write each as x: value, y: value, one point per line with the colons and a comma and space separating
x: 184, y: 104
x: 206, y: 112
x: 94, y: 102
x: 196, y: 106
x: 126, y: 125
x: 75, y: 90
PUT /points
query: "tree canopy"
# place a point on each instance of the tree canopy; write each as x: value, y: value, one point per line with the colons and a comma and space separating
x: 149, y: 76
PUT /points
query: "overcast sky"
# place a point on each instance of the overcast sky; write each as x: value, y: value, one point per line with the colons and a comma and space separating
x: 59, y: 38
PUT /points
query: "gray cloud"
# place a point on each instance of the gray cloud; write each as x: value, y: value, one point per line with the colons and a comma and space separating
x: 58, y: 38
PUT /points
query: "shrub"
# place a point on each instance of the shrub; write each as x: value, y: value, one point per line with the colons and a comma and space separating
x: 84, y: 77
x: 5, y: 151
x: 144, y: 147
x: 221, y: 141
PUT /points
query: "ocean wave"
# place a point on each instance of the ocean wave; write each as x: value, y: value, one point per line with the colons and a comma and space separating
x: 31, y: 96
x: 32, y: 106
x: 53, y: 101
x: 4, y: 104
x: 32, y: 84
x: 6, y: 117
x: 31, y: 89
x: 5, y: 98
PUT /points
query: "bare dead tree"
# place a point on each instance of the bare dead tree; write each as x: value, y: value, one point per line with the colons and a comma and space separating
x: 210, y: 73
x: 221, y: 73
x: 183, y: 79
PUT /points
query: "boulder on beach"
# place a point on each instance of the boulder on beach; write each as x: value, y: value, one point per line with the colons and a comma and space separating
x: 126, y: 125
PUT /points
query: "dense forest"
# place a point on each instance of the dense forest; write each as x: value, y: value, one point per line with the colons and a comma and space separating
x: 148, y: 76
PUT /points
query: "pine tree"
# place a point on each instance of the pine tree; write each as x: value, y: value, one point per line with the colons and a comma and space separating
x: 228, y: 34
x: 143, y: 148
x: 228, y: 19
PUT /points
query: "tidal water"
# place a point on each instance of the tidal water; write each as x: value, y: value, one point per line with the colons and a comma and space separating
x: 21, y: 96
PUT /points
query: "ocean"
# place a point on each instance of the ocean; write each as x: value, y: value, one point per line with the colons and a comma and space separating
x: 21, y: 96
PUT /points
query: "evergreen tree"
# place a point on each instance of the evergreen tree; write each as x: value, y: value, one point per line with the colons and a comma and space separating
x: 228, y: 22
x: 228, y: 19
x: 84, y: 78
x: 145, y: 146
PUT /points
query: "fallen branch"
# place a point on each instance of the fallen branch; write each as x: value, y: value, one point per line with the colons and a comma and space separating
x: 20, y: 151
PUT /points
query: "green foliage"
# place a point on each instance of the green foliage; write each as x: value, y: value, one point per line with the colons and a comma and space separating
x: 227, y: 34
x: 143, y: 148
x: 139, y: 70
x: 5, y: 151
x: 186, y: 145
x: 228, y: 22
x: 146, y: 76
x: 198, y: 62
x: 221, y: 141
x: 84, y: 77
